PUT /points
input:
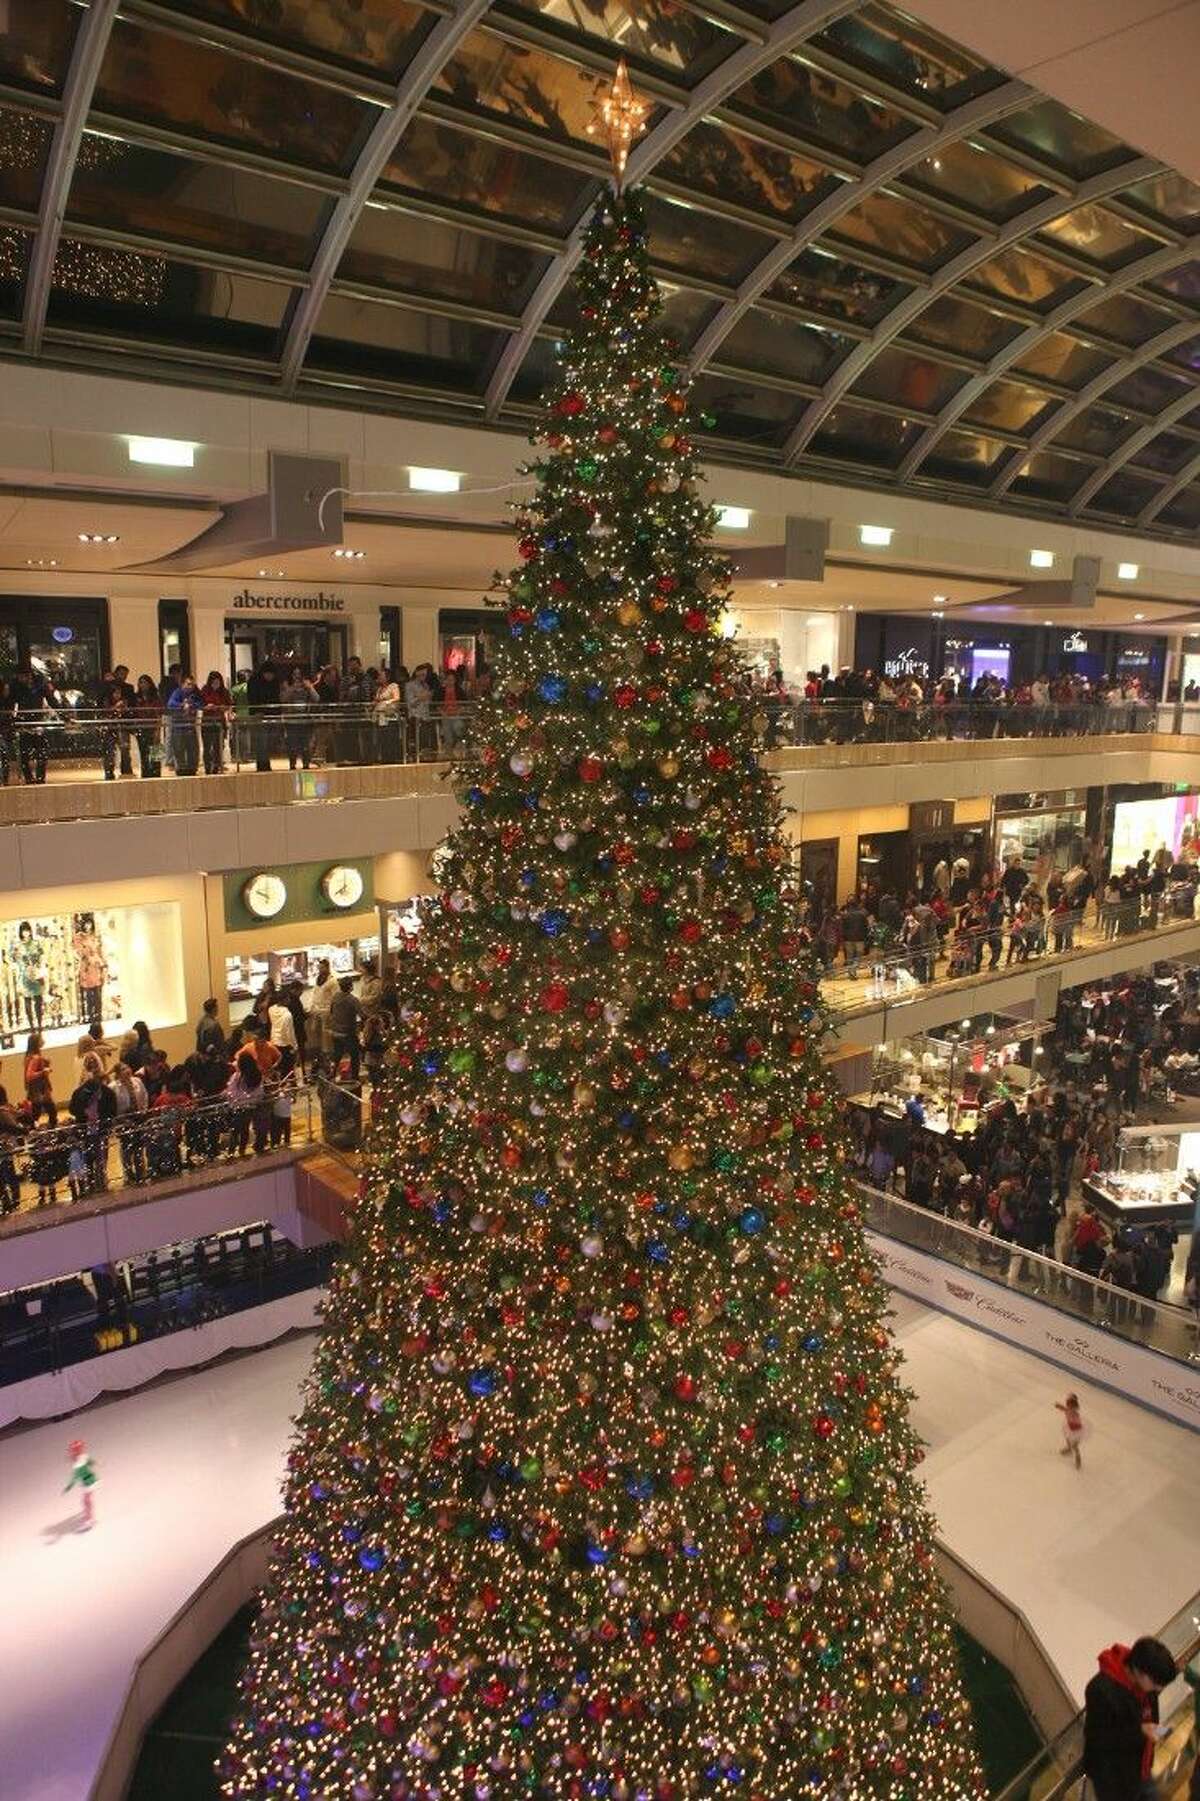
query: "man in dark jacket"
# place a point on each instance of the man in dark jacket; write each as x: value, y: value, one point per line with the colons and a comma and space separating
x: 1120, y: 1722
x: 93, y: 1107
x: 262, y: 697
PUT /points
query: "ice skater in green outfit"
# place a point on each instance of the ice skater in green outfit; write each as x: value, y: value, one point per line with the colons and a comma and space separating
x: 83, y: 1476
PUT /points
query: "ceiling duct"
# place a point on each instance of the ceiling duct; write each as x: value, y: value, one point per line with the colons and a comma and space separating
x: 1078, y: 594
x: 301, y: 510
x: 800, y: 558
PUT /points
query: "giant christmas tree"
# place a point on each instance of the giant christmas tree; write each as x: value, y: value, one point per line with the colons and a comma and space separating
x: 602, y: 1485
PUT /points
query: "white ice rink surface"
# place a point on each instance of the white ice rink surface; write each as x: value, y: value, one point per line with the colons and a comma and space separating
x: 190, y: 1467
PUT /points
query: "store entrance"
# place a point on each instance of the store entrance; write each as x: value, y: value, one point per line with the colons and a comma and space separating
x: 818, y: 872
x: 67, y: 641
x: 311, y: 643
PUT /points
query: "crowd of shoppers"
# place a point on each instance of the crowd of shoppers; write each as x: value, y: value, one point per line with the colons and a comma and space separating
x: 1020, y: 1175
x: 351, y: 716
x: 1004, y: 915
x: 235, y: 1092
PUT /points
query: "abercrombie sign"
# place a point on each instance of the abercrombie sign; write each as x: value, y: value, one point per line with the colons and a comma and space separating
x: 320, y: 602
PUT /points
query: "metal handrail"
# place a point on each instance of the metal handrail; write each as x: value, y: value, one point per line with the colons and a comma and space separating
x: 1159, y: 1326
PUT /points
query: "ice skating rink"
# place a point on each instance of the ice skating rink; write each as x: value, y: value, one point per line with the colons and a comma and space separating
x: 188, y: 1468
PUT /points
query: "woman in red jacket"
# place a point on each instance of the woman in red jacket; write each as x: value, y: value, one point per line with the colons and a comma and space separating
x: 216, y: 704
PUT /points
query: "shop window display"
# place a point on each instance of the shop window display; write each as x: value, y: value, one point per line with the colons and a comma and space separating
x: 247, y: 973
x: 961, y: 1071
x: 62, y: 972
x: 1170, y: 823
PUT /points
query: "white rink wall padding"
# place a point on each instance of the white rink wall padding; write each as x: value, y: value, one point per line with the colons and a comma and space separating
x: 113, y: 1372
x: 1083, y: 1351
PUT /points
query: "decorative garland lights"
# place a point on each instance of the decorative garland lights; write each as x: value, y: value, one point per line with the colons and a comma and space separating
x: 603, y: 1485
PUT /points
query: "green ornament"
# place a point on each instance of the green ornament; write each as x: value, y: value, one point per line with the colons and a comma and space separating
x: 587, y: 470
x: 461, y: 1062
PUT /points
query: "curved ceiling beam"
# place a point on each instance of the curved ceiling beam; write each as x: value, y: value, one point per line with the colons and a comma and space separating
x: 389, y: 128
x: 1061, y: 417
x: 1097, y: 187
x: 1171, y: 491
x: 1129, y: 447
x: 916, y: 148
x: 801, y: 22
x: 91, y: 42
x: 1147, y: 268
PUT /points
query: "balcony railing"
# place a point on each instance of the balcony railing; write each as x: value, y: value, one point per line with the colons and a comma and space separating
x: 69, y: 743
x: 1158, y: 1325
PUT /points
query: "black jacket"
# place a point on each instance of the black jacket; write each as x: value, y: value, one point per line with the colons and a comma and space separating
x: 1113, y: 1741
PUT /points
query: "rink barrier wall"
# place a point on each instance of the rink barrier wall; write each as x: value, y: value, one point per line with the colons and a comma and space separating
x: 1087, y: 1352
x: 1001, y: 1629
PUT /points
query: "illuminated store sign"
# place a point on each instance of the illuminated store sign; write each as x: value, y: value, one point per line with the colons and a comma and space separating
x: 320, y: 602
x: 1075, y: 641
x: 907, y: 662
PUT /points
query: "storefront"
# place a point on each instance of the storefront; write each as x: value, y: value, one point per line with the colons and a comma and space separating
x: 66, y: 640
x: 111, y: 953
x: 899, y: 646
x: 961, y: 1071
x: 903, y: 862
x: 1144, y: 827
x: 468, y: 638
x: 287, y: 628
x: 280, y: 921
x: 1047, y: 832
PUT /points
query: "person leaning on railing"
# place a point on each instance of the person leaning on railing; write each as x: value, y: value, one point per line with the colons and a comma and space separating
x: 1120, y: 1720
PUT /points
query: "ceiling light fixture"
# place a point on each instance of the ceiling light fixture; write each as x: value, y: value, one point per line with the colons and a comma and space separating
x: 879, y: 535
x: 99, y: 537
x: 1139, y: 617
x: 1041, y: 559
x: 434, y: 481
x: 165, y: 453
x: 733, y: 519
x: 1127, y: 572
x: 351, y: 556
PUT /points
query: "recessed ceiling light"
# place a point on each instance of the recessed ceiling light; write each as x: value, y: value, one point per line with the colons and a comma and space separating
x: 352, y: 556
x: 434, y: 481
x: 939, y: 600
x: 936, y: 614
x: 772, y: 584
x: 166, y: 453
x: 1041, y: 559
x: 1047, y: 622
x: 818, y: 620
x: 1127, y: 572
x: 880, y: 535
x: 733, y: 519
x: 1139, y: 617
x: 41, y: 562
x: 99, y: 537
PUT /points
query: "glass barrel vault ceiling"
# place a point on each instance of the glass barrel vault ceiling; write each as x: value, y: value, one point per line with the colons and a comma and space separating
x: 882, y: 259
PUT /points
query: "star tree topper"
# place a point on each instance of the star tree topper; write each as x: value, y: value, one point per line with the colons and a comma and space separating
x: 620, y: 117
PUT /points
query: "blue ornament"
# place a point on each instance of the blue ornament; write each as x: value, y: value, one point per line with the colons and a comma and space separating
x: 642, y: 796
x: 482, y: 1382
x: 442, y: 1211
x: 640, y: 1488
x: 475, y: 797
x: 530, y: 801
x: 775, y: 1523
x: 528, y: 878
x: 598, y: 1554
x: 657, y: 1251
x: 547, y: 619
x: 351, y: 1533
x: 319, y: 1492
x: 555, y: 922
x: 432, y: 1063
x: 552, y: 688
x: 497, y: 1532
x: 627, y: 1120
x: 594, y: 692
x: 916, y: 1685
x: 540, y: 1198
x: 813, y: 1341
x: 372, y: 1557
x: 516, y: 628
x: 721, y: 1006
x: 752, y: 1220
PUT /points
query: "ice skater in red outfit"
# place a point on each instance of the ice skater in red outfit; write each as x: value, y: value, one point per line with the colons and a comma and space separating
x: 1072, y: 1428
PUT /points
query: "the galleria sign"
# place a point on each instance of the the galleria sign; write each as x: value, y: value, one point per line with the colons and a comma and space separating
x: 320, y: 602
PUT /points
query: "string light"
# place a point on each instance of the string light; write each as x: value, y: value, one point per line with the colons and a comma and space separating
x: 604, y: 1484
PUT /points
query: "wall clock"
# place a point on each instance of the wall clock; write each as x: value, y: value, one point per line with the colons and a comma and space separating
x: 265, y: 894
x: 342, y: 885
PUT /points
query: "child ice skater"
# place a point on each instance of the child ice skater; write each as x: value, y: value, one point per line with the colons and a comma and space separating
x: 1072, y: 1428
x: 83, y: 1476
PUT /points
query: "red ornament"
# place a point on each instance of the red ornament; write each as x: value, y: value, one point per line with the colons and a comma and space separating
x: 510, y: 1156
x: 571, y: 405
x: 527, y: 549
x: 619, y: 938
x: 590, y: 769
x: 823, y: 1426
x: 691, y: 931
x: 719, y: 757
x: 555, y: 997
x: 624, y: 695
x: 695, y: 620
x: 650, y: 897
x: 686, y: 1387
x: 624, y: 853
x: 667, y: 584
x: 607, y: 434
